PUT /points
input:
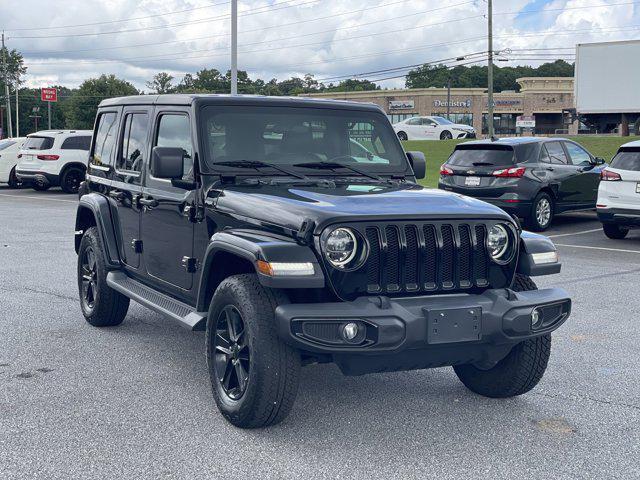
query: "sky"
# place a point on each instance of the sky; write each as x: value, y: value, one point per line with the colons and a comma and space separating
x: 68, y: 41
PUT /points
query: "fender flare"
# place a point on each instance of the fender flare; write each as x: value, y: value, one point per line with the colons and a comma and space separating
x: 532, y: 243
x: 254, y: 245
x: 97, y: 206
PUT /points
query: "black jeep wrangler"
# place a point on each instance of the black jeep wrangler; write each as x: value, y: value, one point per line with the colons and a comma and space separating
x: 293, y: 231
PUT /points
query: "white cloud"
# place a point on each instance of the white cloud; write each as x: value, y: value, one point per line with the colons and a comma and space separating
x: 327, y: 44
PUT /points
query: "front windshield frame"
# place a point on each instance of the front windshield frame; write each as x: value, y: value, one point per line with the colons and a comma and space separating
x: 398, y: 163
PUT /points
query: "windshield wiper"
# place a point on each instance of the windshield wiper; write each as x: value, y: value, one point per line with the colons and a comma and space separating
x: 333, y: 165
x: 257, y: 164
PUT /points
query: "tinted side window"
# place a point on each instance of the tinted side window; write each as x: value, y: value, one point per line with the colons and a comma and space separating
x: 105, y: 139
x: 134, y: 139
x: 175, y: 131
x: 556, y: 153
x: 413, y: 121
x: 76, y: 143
x: 579, y: 156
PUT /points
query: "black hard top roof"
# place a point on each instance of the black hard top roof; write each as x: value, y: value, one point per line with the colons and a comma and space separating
x: 188, y: 99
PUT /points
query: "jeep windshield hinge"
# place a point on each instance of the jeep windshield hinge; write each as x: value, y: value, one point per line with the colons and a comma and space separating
x: 190, y: 264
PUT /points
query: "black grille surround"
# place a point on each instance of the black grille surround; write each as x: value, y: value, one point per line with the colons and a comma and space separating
x: 408, y: 258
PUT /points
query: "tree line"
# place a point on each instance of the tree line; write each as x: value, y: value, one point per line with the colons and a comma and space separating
x: 76, y: 107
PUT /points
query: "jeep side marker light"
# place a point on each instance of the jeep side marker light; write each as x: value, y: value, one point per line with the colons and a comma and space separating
x: 545, y: 258
x: 285, y: 269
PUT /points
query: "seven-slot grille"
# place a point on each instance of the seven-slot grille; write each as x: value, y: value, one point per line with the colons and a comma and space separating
x: 426, y: 257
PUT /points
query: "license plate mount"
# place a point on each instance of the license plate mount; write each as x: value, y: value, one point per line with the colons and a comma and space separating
x: 472, y: 181
x: 453, y: 325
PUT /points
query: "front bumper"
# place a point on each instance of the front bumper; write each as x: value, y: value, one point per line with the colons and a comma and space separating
x: 42, y: 178
x: 422, y: 332
x: 623, y: 217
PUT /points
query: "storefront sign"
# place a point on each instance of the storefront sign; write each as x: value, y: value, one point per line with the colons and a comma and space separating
x: 401, y: 104
x: 524, y: 121
x: 454, y: 103
x: 506, y: 103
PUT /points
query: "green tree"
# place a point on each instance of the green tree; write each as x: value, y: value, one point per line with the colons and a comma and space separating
x: 161, y: 83
x: 84, y: 101
x: 353, y: 85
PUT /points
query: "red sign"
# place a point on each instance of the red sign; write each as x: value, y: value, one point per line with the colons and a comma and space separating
x: 49, y: 94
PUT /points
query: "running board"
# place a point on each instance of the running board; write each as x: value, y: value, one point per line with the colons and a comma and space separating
x: 177, y: 311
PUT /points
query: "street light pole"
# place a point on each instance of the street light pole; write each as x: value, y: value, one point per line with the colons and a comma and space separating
x: 7, y: 99
x: 449, y: 97
x: 234, y: 47
x: 490, y: 71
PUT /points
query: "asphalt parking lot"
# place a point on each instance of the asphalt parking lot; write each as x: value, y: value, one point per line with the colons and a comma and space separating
x: 135, y: 401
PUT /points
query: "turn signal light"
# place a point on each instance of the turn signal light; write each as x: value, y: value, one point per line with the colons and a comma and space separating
x: 446, y: 171
x: 514, y: 172
x: 609, y: 176
x: 48, y: 157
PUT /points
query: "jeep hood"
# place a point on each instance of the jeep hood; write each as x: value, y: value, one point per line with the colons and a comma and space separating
x: 289, y: 206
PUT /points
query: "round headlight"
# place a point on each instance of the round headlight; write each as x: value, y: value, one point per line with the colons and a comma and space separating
x: 498, y: 243
x: 340, y: 247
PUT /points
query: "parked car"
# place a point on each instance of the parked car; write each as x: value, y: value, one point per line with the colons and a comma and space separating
x: 432, y: 128
x: 533, y: 178
x: 258, y: 220
x: 619, y: 193
x: 9, y: 148
x: 53, y: 158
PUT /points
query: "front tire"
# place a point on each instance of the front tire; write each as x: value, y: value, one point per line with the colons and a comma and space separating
x: 615, y: 232
x: 446, y: 135
x: 402, y: 136
x: 542, y: 212
x: 517, y: 373
x: 101, y: 305
x: 254, y: 375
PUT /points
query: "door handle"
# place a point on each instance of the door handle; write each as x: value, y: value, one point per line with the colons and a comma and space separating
x: 551, y: 169
x: 148, y: 202
x: 116, y: 195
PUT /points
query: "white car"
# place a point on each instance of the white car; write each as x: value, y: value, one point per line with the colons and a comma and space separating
x: 618, y: 203
x: 432, y: 128
x: 9, y: 149
x: 54, y: 157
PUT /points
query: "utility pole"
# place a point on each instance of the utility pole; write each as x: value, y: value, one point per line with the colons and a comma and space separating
x: 234, y: 47
x: 7, y: 99
x: 449, y: 97
x: 490, y: 71
x: 17, y: 114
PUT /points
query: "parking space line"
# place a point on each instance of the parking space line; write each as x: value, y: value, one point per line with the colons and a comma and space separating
x: 599, y: 248
x: 574, y: 233
x: 38, y: 198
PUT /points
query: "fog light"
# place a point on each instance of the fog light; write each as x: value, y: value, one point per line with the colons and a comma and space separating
x: 536, y: 318
x: 350, y: 331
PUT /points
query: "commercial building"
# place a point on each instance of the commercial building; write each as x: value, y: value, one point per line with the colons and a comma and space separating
x: 544, y: 98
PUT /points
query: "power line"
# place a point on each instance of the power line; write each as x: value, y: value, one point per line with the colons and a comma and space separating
x: 257, y: 11
x: 119, y: 21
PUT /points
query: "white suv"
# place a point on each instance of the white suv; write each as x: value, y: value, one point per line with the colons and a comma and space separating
x: 9, y: 149
x: 54, y: 157
x: 619, y: 192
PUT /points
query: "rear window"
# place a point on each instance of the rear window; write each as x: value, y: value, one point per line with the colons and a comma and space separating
x: 38, y: 143
x: 6, y: 144
x: 76, y: 143
x: 627, y: 160
x: 482, y: 155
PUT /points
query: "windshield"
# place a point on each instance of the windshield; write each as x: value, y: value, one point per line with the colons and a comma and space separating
x: 627, y: 160
x: 484, y: 155
x: 293, y: 136
x: 442, y: 121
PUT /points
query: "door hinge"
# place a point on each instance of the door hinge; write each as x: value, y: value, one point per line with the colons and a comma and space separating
x: 190, y: 264
x: 136, y: 245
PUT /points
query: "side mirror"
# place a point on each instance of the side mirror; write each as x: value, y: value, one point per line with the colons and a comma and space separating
x: 599, y: 161
x: 418, y: 164
x: 167, y: 162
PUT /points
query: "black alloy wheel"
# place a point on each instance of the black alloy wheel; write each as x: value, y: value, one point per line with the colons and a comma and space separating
x: 89, y: 289
x: 71, y: 180
x: 402, y: 136
x: 232, y: 353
